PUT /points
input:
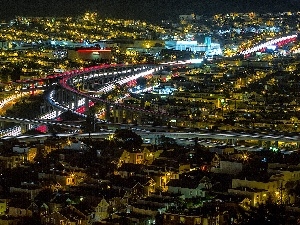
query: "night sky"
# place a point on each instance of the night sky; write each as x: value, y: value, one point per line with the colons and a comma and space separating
x: 152, y: 10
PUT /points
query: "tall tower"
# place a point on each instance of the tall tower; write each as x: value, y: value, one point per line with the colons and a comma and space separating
x: 207, y: 42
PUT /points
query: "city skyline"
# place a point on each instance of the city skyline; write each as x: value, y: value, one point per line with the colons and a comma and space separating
x: 154, y: 10
x: 110, y: 114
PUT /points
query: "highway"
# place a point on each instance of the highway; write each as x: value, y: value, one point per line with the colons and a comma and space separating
x: 69, y: 79
x: 152, y: 137
x: 278, y: 41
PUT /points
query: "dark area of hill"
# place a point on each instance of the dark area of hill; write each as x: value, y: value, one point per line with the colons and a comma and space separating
x: 150, y: 10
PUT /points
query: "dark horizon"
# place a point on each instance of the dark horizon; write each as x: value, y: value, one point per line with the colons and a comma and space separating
x: 151, y: 10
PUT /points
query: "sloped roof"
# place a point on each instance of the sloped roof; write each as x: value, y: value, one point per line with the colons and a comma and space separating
x: 129, y: 182
x: 130, y: 167
x: 21, y: 203
x: 186, y: 182
x: 72, y: 213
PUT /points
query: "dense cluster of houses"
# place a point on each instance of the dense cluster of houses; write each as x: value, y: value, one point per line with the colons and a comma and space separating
x: 152, y: 185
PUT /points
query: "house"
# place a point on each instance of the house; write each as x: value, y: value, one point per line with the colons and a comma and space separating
x: 44, y: 209
x: 134, y: 186
x: 162, y: 201
x: 206, y: 159
x: 215, y: 160
x: 190, y: 187
x: 222, y: 150
x: 101, y: 211
x: 185, y: 218
x: 3, y: 206
x: 31, y: 154
x: 30, y: 189
x: 255, y: 196
x: 12, y: 160
x: 161, y: 176
x: 232, y: 201
x: 20, y: 207
x: 29, y: 151
x: 53, y: 219
x: 53, y: 144
x: 20, y: 149
x: 91, y: 194
x: 132, y: 218
x: 229, y: 167
x: 9, y: 220
x: 260, y: 187
x: 150, y: 156
x: 257, y: 188
x: 135, y: 157
x: 66, y: 216
x: 97, y: 209
x: 288, y: 174
x: 49, y: 147
x: 74, y: 216
x: 152, y: 205
x: 129, y: 169
x: 59, y: 201
x: 64, y: 178
x: 143, y: 209
x: 75, y: 145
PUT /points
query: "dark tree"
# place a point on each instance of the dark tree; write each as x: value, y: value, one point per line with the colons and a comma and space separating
x: 142, y: 81
x: 269, y: 214
x: 16, y: 73
x: 167, y: 142
x: 128, y: 139
x: 69, y: 116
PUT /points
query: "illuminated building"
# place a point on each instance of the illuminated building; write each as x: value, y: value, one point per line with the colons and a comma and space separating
x: 89, y: 54
x: 207, y: 47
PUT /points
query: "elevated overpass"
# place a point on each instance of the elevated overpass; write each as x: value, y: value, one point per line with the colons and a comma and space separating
x: 154, y: 137
x: 72, y: 96
x: 278, y: 41
x: 39, y: 122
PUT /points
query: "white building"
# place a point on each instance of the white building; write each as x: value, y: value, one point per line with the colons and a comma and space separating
x: 208, y: 47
